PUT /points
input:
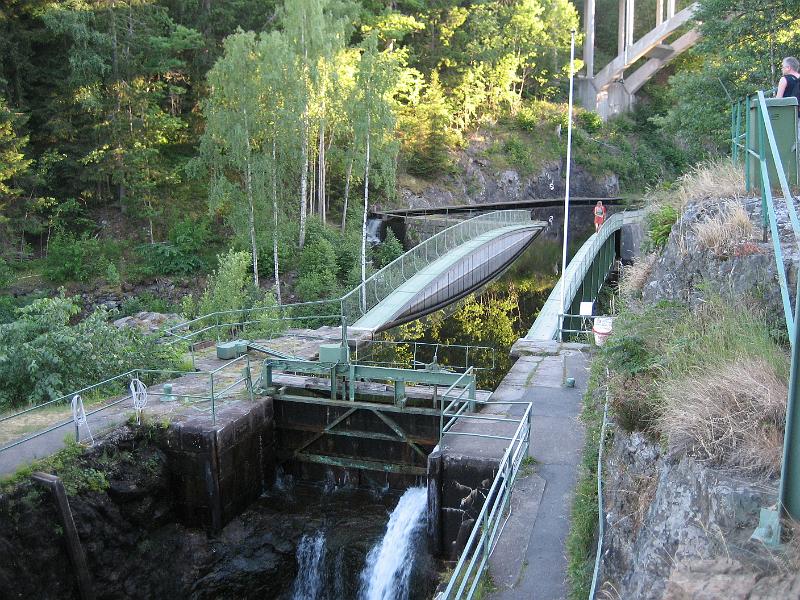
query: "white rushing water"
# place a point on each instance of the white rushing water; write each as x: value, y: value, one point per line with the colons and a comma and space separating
x: 387, y: 570
x: 374, y: 231
x: 310, y: 581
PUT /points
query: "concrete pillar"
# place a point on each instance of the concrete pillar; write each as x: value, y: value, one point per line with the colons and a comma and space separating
x: 588, y: 39
x: 659, y: 12
x: 629, y: 23
x: 621, y: 28
x: 670, y: 9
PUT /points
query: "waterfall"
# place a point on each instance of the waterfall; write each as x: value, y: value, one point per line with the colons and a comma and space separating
x: 388, y: 566
x: 310, y: 582
x: 374, y: 231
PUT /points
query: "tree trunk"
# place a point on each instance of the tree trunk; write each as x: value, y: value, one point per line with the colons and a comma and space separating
x: 275, y: 222
x: 364, y: 225
x: 251, y: 216
x: 347, y: 193
x: 321, y: 171
x: 304, y: 180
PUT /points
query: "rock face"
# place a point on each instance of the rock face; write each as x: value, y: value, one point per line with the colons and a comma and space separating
x: 678, y: 529
x: 686, y: 271
x: 667, y: 510
x: 478, y: 182
x: 148, y: 322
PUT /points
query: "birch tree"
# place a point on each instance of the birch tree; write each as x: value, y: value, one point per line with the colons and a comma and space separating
x: 315, y: 33
x: 232, y: 145
x: 374, y: 121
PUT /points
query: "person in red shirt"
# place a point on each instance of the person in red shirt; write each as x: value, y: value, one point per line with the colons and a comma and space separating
x: 599, y: 215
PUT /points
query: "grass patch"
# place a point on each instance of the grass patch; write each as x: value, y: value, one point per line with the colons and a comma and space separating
x: 635, y: 276
x: 65, y: 463
x: 730, y: 415
x: 582, y: 536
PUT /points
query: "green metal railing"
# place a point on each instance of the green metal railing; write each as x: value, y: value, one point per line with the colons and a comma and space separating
x: 421, y: 355
x: 472, y: 564
x: 121, y: 381
x: 760, y: 125
x: 356, y: 303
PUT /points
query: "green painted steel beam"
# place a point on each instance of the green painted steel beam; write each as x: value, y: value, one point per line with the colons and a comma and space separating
x: 389, y: 408
x: 367, y: 465
x: 367, y: 435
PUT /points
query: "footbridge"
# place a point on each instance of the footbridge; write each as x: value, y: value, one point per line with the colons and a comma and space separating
x: 612, y: 90
x: 440, y: 270
x: 585, y: 276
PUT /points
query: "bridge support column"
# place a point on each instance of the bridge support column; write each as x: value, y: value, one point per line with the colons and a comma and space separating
x: 588, y: 39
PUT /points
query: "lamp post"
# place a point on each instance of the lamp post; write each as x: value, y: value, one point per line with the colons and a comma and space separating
x: 566, y: 192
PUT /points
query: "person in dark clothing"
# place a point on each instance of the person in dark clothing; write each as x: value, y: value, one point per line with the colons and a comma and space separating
x: 788, y: 85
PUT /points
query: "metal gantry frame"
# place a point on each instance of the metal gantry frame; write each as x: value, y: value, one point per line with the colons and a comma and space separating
x: 788, y: 501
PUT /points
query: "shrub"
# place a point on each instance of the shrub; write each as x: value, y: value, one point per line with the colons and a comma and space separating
x: 167, y: 259
x: 659, y: 226
x: 518, y: 154
x: 146, y: 301
x: 589, y: 121
x: 387, y: 251
x: 190, y: 236
x: 227, y: 286
x: 45, y: 356
x: 70, y: 258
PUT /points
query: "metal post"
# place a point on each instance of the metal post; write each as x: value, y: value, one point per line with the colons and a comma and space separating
x: 747, y: 158
x: 213, y: 404
x: 761, y: 157
x: 789, y: 494
x: 569, y: 170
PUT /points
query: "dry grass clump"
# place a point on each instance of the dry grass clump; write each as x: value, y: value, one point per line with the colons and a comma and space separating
x: 731, y: 415
x: 717, y: 178
x: 724, y: 230
x: 636, y: 275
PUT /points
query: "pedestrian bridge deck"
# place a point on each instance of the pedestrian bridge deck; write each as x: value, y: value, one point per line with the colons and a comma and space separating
x: 451, y: 276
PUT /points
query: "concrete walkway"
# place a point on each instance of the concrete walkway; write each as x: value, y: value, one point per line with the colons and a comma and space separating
x: 529, y: 561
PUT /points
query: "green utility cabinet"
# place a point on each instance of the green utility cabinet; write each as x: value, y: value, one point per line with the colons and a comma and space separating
x: 783, y: 116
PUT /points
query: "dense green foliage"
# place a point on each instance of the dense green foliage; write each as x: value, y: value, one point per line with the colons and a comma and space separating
x: 740, y: 52
x: 44, y: 356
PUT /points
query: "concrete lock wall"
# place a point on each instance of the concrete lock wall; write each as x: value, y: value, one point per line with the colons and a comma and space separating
x: 457, y: 489
x: 218, y: 470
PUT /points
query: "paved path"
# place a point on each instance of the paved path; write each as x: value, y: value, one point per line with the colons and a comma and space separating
x: 529, y: 561
x: 191, y: 390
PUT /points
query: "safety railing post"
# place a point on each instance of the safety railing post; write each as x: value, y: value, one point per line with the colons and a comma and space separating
x: 762, y: 159
x: 213, y: 402
x: 747, y: 132
x: 789, y: 491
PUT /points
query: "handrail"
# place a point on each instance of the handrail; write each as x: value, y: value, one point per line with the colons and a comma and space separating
x: 470, y: 567
x: 766, y: 136
x: 789, y: 491
x: 357, y: 302
x: 213, y: 397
